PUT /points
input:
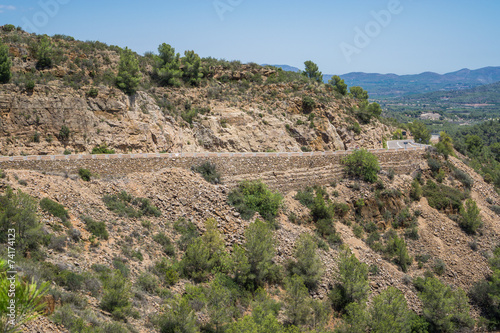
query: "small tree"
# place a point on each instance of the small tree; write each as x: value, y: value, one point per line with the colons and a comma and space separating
x: 44, y: 53
x: 259, y: 249
x: 390, y: 313
x: 338, y: 85
x: 167, y: 68
x: 420, y: 132
x: 5, y: 64
x: 312, y: 71
x: 116, y: 295
x: 470, y: 220
x: 297, y: 297
x: 446, y: 309
x: 308, y: 264
x: 362, y: 164
x: 191, y: 68
x: 353, y: 283
x: 445, y: 144
x: 129, y: 75
x: 359, y: 93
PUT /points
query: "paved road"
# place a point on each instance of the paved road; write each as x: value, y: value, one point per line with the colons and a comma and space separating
x: 402, y: 144
x: 392, y: 145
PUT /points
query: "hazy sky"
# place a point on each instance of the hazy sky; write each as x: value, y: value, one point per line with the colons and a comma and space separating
x: 384, y: 36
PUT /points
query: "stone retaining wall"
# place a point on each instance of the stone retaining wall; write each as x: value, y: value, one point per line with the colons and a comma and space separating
x: 284, y: 171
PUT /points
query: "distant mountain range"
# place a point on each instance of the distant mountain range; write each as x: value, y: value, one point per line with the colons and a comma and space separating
x: 486, y: 94
x: 384, y: 86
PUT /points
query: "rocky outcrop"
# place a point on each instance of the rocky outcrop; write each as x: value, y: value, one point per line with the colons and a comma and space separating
x: 31, y: 121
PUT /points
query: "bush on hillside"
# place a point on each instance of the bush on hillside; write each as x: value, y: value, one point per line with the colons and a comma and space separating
x: 362, y: 164
x: 254, y: 196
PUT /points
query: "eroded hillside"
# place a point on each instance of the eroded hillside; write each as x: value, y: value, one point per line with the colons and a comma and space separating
x: 134, y: 247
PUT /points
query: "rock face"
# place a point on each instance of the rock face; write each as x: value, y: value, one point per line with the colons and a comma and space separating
x: 156, y: 121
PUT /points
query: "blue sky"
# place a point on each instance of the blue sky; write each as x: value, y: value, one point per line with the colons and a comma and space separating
x: 384, y: 36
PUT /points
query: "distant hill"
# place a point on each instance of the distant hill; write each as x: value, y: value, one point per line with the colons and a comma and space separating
x: 486, y: 94
x: 285, y: 68
x: 391, y: 85
x: 384, y: 86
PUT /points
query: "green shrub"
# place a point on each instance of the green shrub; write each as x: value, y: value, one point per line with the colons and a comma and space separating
x: 64, y: 133
x: 357, y: 230
x: 353, y: 285
x: 308, y: 104
x: 188, y: 230
x: 28, y: 299
x: 147, y: 282
x: 442, y: 197
x: 254, y: 196
x: 307, y: 263
x: 30, y: 85
x: 209, y: 172
x: 124, y: 204
x: 8, y: 27
x: 55, y: 209
x: 447, y: 310
x: 102, y: 149
x: 97, y: 229
x: 84, y: 174
x: 470, y: 219
x: 129, y: 75
x: 416, y: 190
x: 363, y: 164
x: 166, y: 243
x: 305, y: 197
x: 439, y: 267
x: 396, y: 249
x: 93, y: 92
x: 116, y: 295
x: 464, y: 178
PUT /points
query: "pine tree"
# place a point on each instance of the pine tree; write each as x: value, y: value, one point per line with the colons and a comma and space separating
x: 308, y: 264
x: 129, y: 75
x: 167, y: 68
x: 191, y: 63
x: 312, y: 71
x: 5, y: 64
x: 338, y: 85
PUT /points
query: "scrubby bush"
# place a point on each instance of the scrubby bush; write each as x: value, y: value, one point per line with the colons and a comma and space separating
x: 396, y: 249
x: 188, y: 230
x: 5, y: 64
x: 470, y: 219
x: 97, y: 229
x: 166, y: 243
x: 102, y: 149
x: 442, y: 197
x: 308, y: 104
x: 254, y: 196
x: 84, y: 174
x: 416, y: 190
x: 362, y: 164
x: 204, y: 254
x: 209, y: 172
x: 116, y: 295
x: 54, y: 208
x: 124, y: 204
